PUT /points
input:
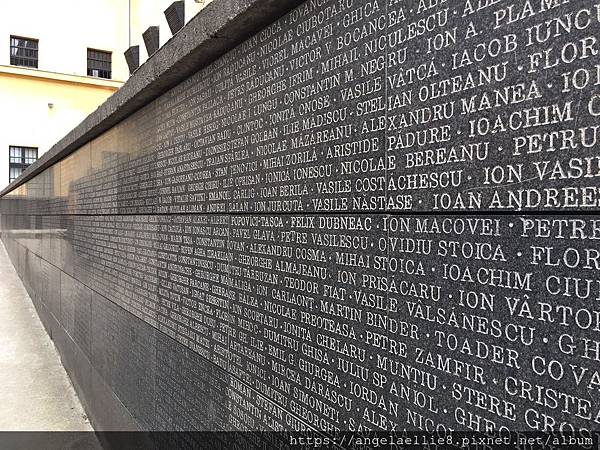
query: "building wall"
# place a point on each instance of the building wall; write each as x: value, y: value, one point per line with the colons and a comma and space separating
x: 103, y: 25
x: 65, y: 30
x: 38, y: 108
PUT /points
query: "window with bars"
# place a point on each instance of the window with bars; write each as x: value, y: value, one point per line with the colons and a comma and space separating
x: 98, y: 63
x: 19, y: 158
x: 23, y: 52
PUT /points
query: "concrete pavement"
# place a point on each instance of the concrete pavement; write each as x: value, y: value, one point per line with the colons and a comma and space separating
x: 35, y: 391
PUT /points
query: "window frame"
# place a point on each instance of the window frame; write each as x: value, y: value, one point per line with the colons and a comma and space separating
x: 21, y: 60
x: 102, y: 72
x: 22, y: 161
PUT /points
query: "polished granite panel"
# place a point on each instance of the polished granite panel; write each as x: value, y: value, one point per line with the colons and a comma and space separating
x: 74, y: 168
x: 76, y: 311
x: 51, y: 287
x: 117, y: 257
x: 333, y: 119
x: 422, y: 309
x: 124, y: 355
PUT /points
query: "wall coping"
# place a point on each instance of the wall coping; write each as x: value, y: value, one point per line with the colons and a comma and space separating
x: 216, y: 29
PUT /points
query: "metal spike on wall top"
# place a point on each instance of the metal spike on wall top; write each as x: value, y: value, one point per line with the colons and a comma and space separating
x: 175, y: 15
x: 132, y: 56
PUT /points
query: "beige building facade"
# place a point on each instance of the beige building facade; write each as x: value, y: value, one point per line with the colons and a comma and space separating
x: 59, y: 61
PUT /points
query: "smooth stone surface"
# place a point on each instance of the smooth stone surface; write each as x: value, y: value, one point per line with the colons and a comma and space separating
x: 36, y: 391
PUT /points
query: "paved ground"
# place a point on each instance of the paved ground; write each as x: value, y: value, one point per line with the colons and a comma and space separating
x: 35, y: 391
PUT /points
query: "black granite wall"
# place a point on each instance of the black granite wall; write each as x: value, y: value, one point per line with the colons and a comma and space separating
x: 374, y: 214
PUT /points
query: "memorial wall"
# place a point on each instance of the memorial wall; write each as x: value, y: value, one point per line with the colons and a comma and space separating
x: 370, y: 215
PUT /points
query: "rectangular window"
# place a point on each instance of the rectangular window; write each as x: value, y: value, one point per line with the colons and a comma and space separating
x: 23, y: 52
x: 98, y: 63
x: 19, y: 158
